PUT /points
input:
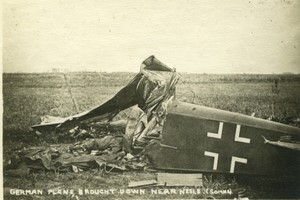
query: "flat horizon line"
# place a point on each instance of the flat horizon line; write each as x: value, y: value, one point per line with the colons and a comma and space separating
x: 130, y: 72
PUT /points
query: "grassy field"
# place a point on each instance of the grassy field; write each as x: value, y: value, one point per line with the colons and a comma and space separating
x: 27, y: 97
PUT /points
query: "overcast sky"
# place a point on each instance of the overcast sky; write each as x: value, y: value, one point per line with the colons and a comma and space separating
x: 236, y: 36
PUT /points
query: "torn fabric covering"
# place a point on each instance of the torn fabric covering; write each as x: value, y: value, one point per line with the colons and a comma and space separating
x: 41, y: 157
x: 147, y: 89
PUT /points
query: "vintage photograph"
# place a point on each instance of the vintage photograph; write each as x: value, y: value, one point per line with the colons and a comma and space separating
x: 181, y: 99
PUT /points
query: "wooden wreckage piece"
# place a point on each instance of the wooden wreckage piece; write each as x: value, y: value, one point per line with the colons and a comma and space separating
x: 171, y: 180
x: 193, y: 138
x: 179, y: 179
x: 144, y: 183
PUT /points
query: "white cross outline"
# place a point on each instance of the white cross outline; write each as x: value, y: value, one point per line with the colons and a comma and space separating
x: 217, y: 135
x: 215, y: 156
x: 234, y: 160
x: 237, y: 137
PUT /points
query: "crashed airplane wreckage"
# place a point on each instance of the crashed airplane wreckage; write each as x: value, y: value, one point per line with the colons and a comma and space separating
x: 187, y: 137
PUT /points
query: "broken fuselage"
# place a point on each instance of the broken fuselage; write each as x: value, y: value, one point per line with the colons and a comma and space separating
x: 193, y: 137
x: 198, y: 138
